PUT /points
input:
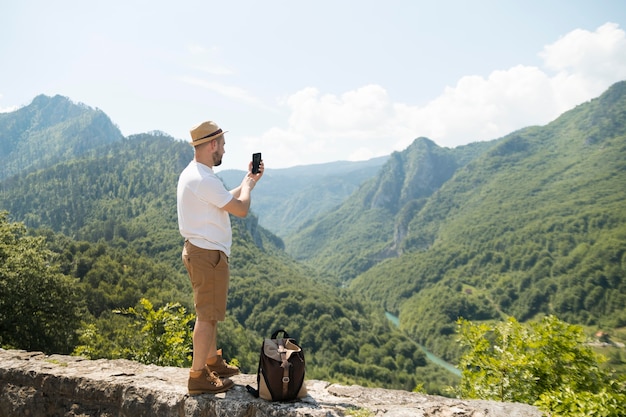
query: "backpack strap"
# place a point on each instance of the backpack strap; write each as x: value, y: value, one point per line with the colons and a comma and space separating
x: 252, y: 391
x: 285, y: 364
x: 275, y: 334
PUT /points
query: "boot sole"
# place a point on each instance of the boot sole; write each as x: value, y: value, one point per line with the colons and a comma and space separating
x: 199, y: 392
x: 215, y: 391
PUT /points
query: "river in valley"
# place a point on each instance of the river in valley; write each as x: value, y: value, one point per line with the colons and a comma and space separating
x: 429, y: 355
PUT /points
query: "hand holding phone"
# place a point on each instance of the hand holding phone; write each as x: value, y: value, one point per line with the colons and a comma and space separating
x: 256, y: 161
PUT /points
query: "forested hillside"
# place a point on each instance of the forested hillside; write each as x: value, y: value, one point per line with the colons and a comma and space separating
x: 535, y: 224
x: 109, y: 218
x: 372, y: 224
x: 288, y: 198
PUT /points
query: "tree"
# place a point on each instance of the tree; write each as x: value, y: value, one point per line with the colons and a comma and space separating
x: 164, y: 335
x: 40, y: 308
x: 546, y: 363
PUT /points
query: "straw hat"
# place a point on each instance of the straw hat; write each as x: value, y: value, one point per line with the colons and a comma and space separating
x: 205, y: 132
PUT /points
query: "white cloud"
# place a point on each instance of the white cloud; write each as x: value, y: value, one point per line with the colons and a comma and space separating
x: 8, y: 109
x: 365, y: 122
x: 600, y: 54
x: 232, y: 92
x: 207, y: 60
x: 480, y: 109
x: 586, y: 63
x: 355, y: 114
x: 355, y: 125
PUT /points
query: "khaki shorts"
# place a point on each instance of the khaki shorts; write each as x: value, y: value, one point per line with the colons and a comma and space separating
x: 209, y: 274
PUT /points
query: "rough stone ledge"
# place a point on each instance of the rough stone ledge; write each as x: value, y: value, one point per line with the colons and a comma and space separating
x: 33, y: 384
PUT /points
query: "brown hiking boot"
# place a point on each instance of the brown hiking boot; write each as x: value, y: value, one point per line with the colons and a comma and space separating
x: 208, y: 383
x: 222, y: 368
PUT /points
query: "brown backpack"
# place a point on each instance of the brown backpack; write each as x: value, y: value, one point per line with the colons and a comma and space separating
x: 280, y: 376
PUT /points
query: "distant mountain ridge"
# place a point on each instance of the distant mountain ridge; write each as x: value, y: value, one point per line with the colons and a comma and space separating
x: 50, y: 130
x: 288, y: 198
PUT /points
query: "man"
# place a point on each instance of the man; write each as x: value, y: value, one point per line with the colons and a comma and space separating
x: 204, y: 205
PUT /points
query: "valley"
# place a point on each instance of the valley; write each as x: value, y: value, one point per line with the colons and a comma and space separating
x: 375, y: 275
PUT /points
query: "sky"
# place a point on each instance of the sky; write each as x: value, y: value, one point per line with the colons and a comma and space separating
x: 319, y: 81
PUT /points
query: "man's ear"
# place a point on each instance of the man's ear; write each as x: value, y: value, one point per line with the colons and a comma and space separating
x: 210, y: 145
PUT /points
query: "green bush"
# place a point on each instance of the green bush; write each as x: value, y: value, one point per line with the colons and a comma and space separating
x: 547, y: 363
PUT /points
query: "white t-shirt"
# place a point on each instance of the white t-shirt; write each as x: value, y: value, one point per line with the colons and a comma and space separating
x: 200, y: 197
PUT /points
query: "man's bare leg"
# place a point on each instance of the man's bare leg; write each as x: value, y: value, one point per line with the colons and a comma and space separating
x: 204, y: 343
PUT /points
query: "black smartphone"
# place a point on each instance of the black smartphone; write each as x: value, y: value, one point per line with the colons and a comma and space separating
x: 256, y: 161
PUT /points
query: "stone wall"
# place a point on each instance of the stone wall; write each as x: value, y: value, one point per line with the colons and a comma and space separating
x: 35, y: 385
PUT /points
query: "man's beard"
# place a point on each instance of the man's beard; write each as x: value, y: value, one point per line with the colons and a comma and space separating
x: 217, y: 160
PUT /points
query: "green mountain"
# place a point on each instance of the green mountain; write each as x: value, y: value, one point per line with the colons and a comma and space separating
x: 50, y: 130
x: 371, y: 226
x: 532, y: 223
x: 110, y: 216
x: 289, y: 198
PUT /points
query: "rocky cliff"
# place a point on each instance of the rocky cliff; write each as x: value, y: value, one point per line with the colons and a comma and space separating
x: 36, y: 385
